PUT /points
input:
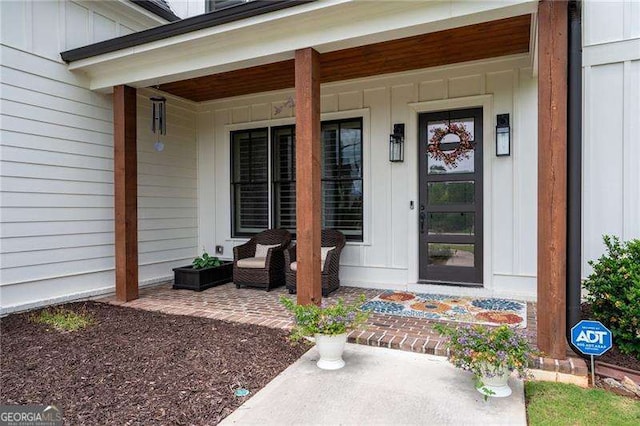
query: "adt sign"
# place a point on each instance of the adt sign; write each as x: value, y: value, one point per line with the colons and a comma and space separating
x: 591, y: 337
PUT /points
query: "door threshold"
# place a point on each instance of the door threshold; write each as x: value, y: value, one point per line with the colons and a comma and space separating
x: 453, y: 284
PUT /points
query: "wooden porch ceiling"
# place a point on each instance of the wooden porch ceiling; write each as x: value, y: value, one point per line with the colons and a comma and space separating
x: 480, y: 41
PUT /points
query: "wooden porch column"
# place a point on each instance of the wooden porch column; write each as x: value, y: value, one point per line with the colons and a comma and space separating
x: 126, y: 192
x: 552, y: 177
x: 308, y: 190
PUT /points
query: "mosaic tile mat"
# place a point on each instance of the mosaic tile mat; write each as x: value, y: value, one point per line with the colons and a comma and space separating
x: 477, y: 310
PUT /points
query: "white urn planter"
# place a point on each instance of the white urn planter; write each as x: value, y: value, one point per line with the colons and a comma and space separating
x: 496, y: 383
x: 330, y: 348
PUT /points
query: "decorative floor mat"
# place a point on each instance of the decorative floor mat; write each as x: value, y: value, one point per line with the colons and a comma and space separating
x: 477, y: 310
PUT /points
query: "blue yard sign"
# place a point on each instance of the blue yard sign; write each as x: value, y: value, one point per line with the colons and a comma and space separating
x: 591, y: 337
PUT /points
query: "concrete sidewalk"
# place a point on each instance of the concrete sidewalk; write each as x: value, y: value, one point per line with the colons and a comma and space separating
x: 378, y: 386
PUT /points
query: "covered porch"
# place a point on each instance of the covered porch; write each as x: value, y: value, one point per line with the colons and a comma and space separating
x: 384, y: 64
x: 259, y: 308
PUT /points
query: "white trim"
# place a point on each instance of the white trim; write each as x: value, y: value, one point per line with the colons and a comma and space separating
x: 488, y: 126
x: 611, y: 52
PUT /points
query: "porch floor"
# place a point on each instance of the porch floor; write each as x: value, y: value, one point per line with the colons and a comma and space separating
x: 255, y: 306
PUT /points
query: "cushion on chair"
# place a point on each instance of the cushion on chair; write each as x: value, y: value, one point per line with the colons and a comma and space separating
x: 262, y: 250
x: 294, y: 266
x: 324, y: 251
x: 252, y: 262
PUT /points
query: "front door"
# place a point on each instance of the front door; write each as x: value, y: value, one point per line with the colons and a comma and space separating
x: 450, y: 209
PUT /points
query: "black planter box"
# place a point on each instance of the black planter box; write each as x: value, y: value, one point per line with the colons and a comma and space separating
x: 201, y: 279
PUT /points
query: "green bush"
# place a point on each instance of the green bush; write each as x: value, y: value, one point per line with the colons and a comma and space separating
x: 614, y: 292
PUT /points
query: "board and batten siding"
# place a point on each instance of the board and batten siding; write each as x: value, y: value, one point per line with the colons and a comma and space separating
x: 56, y: 165
x: 388, y: 256
x: 611, y: 152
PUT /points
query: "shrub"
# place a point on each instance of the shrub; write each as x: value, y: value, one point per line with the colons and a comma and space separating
x: 614, y: 292
x: 332, y: 319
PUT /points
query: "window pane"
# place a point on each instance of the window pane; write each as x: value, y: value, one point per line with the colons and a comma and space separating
x: 342, y: 206
x: 449, y: 142
x: 468, y: 123
x: 249, y: 157
x: 284, y: 171
x: 451, y: 254
x: 342, y: 150
x: 450, y: 223
x: 251, y: 208
x: 444, y: 193
x: 464, y: 164
x: 284, y: 198
x: 284, y: 154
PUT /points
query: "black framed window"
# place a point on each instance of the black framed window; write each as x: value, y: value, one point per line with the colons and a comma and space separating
x: 342, y: 180
x: 249, y: 181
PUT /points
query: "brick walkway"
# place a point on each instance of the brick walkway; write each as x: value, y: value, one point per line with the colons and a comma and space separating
x: 254, y: 306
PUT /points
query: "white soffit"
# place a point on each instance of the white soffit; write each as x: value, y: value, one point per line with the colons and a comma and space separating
x: 324, y: 25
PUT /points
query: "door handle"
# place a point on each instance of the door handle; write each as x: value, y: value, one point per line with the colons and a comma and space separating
x: 422, y: 217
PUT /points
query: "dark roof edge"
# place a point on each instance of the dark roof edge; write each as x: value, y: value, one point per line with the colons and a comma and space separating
x: 195, y: 23
x: 156, y: 9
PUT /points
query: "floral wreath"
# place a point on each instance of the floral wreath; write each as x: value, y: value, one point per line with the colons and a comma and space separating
x: 461, y: 151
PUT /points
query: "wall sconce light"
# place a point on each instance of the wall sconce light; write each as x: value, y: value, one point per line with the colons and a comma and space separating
x: 503, y: 136
x: 159, y: 119
x: 396, y: 144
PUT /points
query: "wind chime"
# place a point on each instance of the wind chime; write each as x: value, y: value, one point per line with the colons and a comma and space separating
x: 159, y: 120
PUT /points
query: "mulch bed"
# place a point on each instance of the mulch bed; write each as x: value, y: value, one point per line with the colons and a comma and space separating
x: 138, y: 367
x: 612, y: 356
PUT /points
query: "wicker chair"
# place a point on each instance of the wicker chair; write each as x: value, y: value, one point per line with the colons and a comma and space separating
x: 266, y: 273
x: 331, y: 267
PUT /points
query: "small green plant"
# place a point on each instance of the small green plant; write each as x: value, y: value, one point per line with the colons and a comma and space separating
x: 332, y: 319
x: 205, y: 261
x: 614, y: 292
x: 63, y: 319
x: 486, y: 351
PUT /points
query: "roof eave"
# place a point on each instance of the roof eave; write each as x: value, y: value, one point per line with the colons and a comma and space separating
x: 207, y: 20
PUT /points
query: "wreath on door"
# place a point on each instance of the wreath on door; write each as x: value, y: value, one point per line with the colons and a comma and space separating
x: 461, y: 151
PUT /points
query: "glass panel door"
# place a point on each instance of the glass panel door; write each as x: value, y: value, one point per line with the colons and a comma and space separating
x: 450, y: 215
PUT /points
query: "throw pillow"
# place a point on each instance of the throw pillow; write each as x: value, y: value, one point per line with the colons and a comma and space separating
x: 262, y: 250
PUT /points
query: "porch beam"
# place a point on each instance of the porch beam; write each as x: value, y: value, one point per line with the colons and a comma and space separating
x: 308, y: 192
x: 126, y: 192
x: 552, y: 177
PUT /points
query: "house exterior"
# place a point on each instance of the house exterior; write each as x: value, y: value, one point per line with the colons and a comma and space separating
x: 89, y: 199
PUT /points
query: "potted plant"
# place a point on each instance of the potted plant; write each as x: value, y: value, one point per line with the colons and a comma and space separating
x: 490, y: 353
x: 328, y: 325
x: 205, y: 271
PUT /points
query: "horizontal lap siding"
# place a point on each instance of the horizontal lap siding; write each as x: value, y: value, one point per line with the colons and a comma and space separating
x: 56, y: 182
